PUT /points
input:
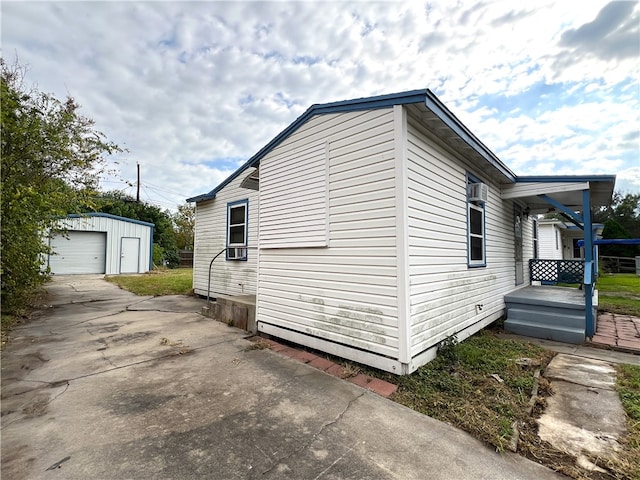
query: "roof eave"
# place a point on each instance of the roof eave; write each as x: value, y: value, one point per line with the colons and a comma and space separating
x: 437, y: 107
x: 367, y: 103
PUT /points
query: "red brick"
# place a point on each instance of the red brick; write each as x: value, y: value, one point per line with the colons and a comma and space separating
x: 278, y: 347
x: 381, y: 387
x: 632, y: 344
x: 289, y: 352
x: 606, y: 329
x: 600, y: 334
x: 604, y: 340
x: 360, y: 379
x: 304, y: 357
x: 335, y: 370
x: 321, y: 363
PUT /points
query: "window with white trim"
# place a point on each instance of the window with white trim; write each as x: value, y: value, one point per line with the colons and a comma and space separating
x: 476, y: 240
x: 237, y: 223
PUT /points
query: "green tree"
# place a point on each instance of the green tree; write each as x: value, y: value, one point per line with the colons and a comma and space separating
x: 621, y: 220
x: 51, y: 159
x: 123, y: 205
x: 184, y: 222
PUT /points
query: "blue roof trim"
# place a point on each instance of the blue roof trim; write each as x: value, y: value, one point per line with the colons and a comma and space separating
x: 594, y: 225
x: 566, y: 178
x: 437, y: 107
x: 367, y: 103
x: 386, y: 101
x: 108, y: 215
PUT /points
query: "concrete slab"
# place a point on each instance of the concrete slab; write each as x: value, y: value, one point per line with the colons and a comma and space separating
x: 581, y: 371
x: 171, y: 303
x: 585, y: 413
x: 584, y: 351
x: 157, y: 394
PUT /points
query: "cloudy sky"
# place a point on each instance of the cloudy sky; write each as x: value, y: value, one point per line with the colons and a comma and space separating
x: 192, y: 90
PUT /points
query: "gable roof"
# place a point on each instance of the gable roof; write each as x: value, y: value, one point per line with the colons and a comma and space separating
x: 424, y: 97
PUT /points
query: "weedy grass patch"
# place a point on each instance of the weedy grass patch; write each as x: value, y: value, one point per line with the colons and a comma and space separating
x: 157, y: 282
x: 628, y: 387
x: 482, y: 385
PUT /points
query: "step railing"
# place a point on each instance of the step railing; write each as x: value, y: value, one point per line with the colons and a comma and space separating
x: 209, y: 276
x: 556, y: 271
x: 234, y: 257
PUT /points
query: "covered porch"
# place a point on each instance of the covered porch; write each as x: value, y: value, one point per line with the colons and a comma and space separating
x: 559, y: 313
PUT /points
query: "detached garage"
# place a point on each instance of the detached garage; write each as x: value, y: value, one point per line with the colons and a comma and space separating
x: 101, y: 243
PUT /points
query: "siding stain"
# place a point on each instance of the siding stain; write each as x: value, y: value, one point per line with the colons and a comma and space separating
x: 364, y: 314
x: 365, y: 332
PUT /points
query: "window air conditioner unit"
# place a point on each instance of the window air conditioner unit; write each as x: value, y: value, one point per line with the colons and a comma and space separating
x: 478, y: 192
x: 237, y: 253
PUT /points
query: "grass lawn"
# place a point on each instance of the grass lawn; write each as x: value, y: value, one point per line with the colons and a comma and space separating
x: 177, y: 281
x: 619, y: 293
x: 619, y: 282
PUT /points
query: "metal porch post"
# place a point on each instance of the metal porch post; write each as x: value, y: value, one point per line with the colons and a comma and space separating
x: 588, y: 264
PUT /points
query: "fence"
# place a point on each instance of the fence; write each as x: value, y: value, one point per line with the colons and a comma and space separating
x: 618, y: 264
x: 186, y: 258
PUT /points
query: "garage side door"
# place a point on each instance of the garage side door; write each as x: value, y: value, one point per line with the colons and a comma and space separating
x: 81, y: 252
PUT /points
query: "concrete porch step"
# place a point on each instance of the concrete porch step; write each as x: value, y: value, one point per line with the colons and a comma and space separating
x: 556, y: 318
x: 558, y: 333
x: 236, y: 311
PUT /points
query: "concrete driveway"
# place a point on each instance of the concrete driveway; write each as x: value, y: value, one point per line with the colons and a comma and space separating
x: 108, y: 385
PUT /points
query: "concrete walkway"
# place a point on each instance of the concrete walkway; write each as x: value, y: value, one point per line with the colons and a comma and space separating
x: 584, y: 417
x: 107, y: 385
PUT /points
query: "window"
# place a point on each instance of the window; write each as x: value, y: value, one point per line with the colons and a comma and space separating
x: 476, y: 231
x: 535, y: 239
x: 577, y: 251
x: 237, y: 216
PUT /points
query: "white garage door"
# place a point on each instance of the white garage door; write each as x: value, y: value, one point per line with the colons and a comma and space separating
x: 78, y: 252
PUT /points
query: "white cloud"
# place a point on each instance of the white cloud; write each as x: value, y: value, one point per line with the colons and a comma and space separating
x: 188, y: 86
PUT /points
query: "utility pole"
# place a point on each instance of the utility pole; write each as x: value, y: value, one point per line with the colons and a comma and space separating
x: 138, y: 190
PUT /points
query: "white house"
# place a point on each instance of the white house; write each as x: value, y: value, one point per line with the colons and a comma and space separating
x: 558, y: 240
x: 375, y: 228
x: 100, y: 243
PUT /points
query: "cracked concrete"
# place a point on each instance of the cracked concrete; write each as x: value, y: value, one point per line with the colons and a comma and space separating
x: 126, y: 389
x: 585, y: 414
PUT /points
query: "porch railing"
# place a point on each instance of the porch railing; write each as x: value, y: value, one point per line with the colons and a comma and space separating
x: 556, y: 271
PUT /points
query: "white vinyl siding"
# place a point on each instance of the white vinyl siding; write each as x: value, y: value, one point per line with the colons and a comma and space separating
x: 113, y: 230
x: 345, y: 293
x: 550, y: 242
x: 444, y: 291
x: 227, y: 277
x: 293, y: 200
